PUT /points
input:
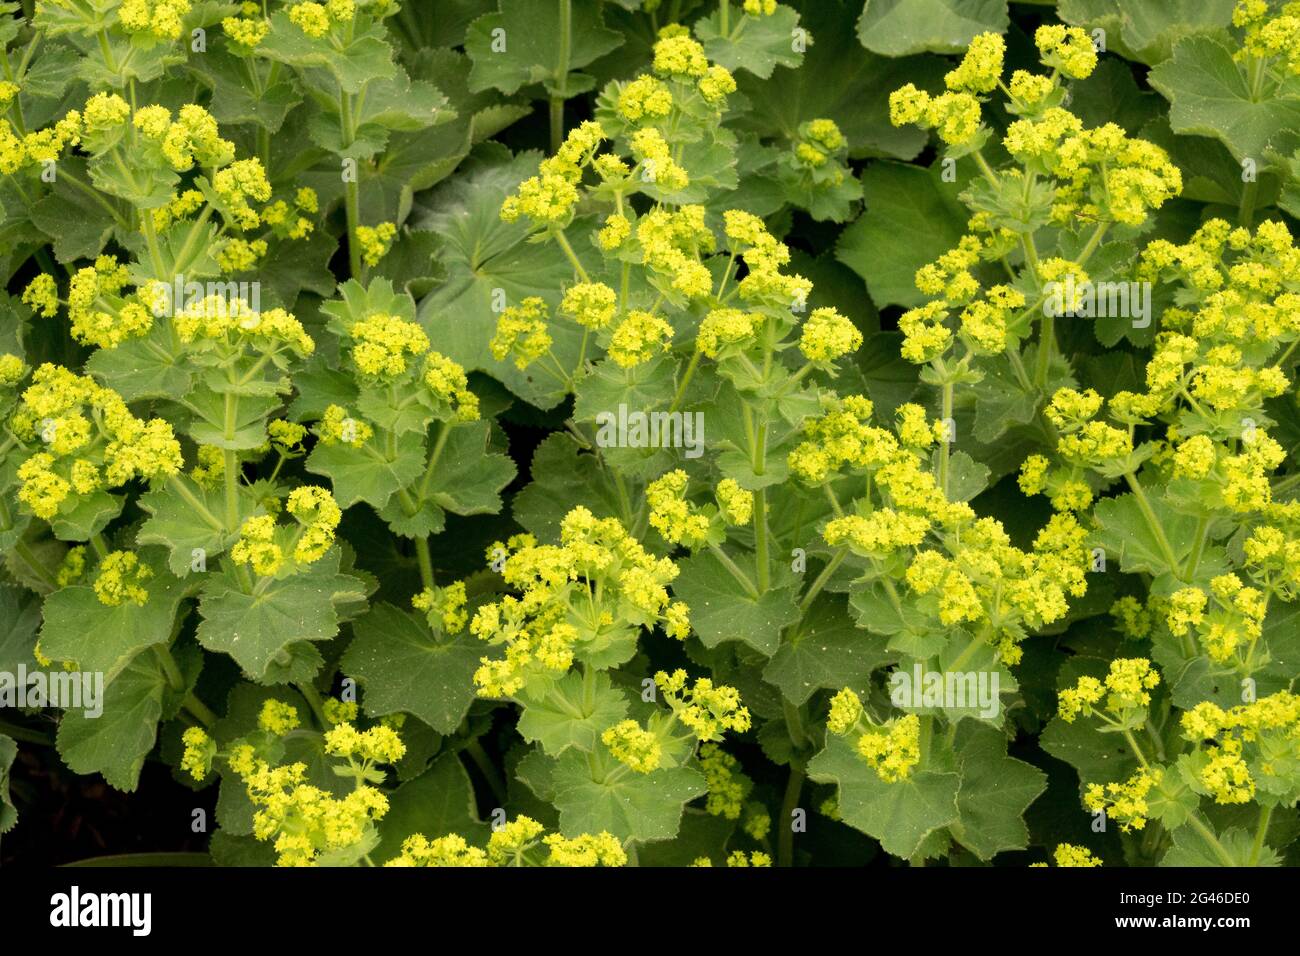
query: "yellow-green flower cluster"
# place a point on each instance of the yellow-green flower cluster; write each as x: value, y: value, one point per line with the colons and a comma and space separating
x: 444, y: 607
x: 671, y: 245
x: 99, y: 315
x: 521, y: 333
x: 671, y: 514
x: 306, y: 821
x: 596, y: 586
x: 91, y: 441
x: 449, y: 385
x: 226, y: 324
x: 1236, y: 621
x: 237, y: 184
x: 319, y: 515
x: 728, y: 787
x: 592, y: 305
x: 200, y: 751
x: 1127, y: 687
x: 954, y: 116
x: 286, y: 437
x: 983, y: 578
x: 278, y: 718
x: 375, y: 241
x: 317, y: 19
x: 382, y: 342
x: 192, y: 138
x: 706, y: 709
x: 122, y: 579
x: 827, y: 336
x: 894, y: 749
x: 158, y: 19
x: 379, y: 744
x: 337, y: 427
x: 640, y: 337
x: 515, y: 843
x: 1067, y: 854
x: 735, y: 504
x: 1124, y: 802
x: 1068, y: 49
x: 1244, y: 748
x: 633, y: 746
x: 981, y: 67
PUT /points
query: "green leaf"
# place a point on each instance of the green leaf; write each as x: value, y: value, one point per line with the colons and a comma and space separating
x: 469, y: 476
x: 1099, y: 758
x: 185, y: 518
x: 265, y: 632
x: 629, y: 805
x: 8, y: 812
x: 911, y: 213
x: 79, y: 229
x: 573, y: 714
x: 98, y: 637
x: 1146, y: 30
x: 83, y: 516
x: 235, y: 101
x: 437, y: 803
x: 363, y: 58
x: 1210, y: 95
x: 20, y: 617
x: 116, y: 742
x: 722, y: 610
x: 826, y: 651
x: 143, y: 367
x: 995, y: 792
x: 362, y: 474
x: 900, y: 815
x: 757, y: 45
x: 564, y: 477
x: 403, y: 668
x: 531, y: 36
x: 489, y: 261
x: 1125, y: 534
x: 902, y: 27
x: 1192, y: 849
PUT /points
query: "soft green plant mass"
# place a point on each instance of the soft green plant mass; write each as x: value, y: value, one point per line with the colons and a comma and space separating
x: 657, y: 432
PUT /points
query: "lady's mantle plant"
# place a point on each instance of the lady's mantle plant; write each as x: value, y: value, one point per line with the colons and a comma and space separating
x: 794, y: 570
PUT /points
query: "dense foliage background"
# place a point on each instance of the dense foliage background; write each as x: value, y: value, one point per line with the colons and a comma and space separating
x: 263, y: 493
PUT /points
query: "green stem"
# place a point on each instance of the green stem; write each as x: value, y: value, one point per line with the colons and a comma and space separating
x: 1198, y: 549
x: 1261, y: 831
x: 480, y: 758
x: 785, y: 840
x: 313, y: 698
x: 36, y: 565
x: 822, y: 578
x: 1200, y: 827
x: 426, y: 563
x: 563, y: 241
x: 175, y: 679
x: 178, y: 485
x: 736, y: 572
x: 945, y: 446
x: 202, y: 713
x: 561, y: 75
x: 760, y: 540
x: 1153, y: 523
x: 352, y: 188
x: 1046, y: 345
